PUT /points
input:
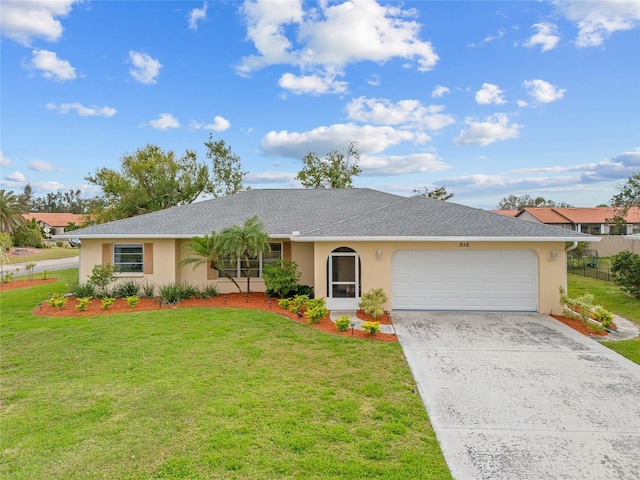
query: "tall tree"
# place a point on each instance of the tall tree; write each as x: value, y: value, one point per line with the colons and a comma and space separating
x: 628, y: 195
x: 245, y: 243
x: 207, y: 250
x: 26, y: 198
x: 511, y: 202
x: 227, y: 174
x: 439, y: 193
x: 150, y: 179
x: 334, y: 171
x: 11, y: 209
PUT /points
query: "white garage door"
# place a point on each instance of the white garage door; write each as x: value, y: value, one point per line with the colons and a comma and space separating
x: 491, y: 280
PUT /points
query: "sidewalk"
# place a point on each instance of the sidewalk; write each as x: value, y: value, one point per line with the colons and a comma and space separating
x: 42, y: 265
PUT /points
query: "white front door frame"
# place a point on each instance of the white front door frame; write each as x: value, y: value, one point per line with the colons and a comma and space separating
x: 352, y: 288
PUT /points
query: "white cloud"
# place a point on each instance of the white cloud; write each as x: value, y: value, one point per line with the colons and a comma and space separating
x: 23, y: 20
x: 4, y: 161
x: 374, y: 80
x: 546, y: 37
x: 489, y: 94
x: 41, y: 166
x: 196, y: 15
x: 15, y: 177
x: 543, y: 92
x: 331, y: 36
x: 401, y: 164
x: 322, y: 140
x: 312, y: 84
x: 51, y: 66
x: 83, y: 111
x: 412, y: 113
x: 439, y: 91
x: 144, y: 68
x: 220, y: 124
x: 597, y: 20
x: 166, y: 120
x: 494, y: 128
x: 270, y: 177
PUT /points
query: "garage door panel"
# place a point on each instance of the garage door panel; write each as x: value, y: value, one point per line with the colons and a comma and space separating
x: 465, y: 280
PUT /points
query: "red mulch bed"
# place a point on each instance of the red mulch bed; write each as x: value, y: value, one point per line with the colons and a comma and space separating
x: 12, y: 284
x: 578, y: 326
x: 383, y: 319
x: 256, y: 301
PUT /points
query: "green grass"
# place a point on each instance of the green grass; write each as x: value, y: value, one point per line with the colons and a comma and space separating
x: 610, y: 297
x: 203, y: 393
x: 45, y: 254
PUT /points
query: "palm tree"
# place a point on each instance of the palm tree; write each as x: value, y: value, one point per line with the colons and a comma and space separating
x: 245, y: 243
x: 207, y: 250
x: 10, y: 212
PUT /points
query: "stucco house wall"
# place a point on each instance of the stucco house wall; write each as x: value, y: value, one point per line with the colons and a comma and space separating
x: 377, y: 273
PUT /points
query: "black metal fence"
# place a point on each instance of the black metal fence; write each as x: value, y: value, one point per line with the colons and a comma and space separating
x: 590, y: 267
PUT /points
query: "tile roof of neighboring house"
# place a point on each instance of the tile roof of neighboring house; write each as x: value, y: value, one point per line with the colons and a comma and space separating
x: 506, y: 213
x: 55, y: 219
x: 325, y: 214
x: 580, y: 215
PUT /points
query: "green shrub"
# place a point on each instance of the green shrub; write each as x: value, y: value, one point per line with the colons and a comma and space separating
x: 106, y: 302
x: 57, y: 300
x: 305, y: 290
x: 80, y: 290
x: 188, y: 291
x: 603, y: 316
x: 298, y: 302
x: 127, y: 288
x: 133, y: 300
x: 7, y: 277
x: 595, y: 327
x: 174, y: 293
x: 148, y: 290
x: 371, y: 327
x: 372, y: 301
x: 29, y: 267
x: 343, y: 323
x: 59, y: 243
x: 82, y: 303
x: 626, y: 272
x: 316, y: 310
x: 101, y: 276
x: 44, y: 274
x: 281, y: 279
x: 208, y: 290
x: 285, y: 303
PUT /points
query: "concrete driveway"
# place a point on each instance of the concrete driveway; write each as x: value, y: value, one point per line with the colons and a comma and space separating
x: 522, y: 396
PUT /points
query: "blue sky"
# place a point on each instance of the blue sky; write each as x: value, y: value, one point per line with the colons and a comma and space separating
x: 485, y: 98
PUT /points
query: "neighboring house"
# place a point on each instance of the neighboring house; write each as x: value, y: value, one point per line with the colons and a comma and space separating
x: 424, y: 253
x: 54, y: 223
x: 592, y: 221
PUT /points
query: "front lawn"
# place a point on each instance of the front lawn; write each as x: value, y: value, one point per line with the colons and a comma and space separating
x: 610, y: 297
x: 203, y: 393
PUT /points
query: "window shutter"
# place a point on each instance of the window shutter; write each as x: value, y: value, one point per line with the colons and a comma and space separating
x: 148, y: 258
x: 212, y: 273
x: 107, y: 249
x: 286, y: 250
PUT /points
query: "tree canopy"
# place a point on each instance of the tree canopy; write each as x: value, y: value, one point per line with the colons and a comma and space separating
x: 512, y: 202
x: 149, y: 180
x: 628, y: 195
x: 227, y: 174
x: 439, y: 193
x: 245, y: 243
x: 208, y: 250
x: 11, y: 209
x: 336, y: 170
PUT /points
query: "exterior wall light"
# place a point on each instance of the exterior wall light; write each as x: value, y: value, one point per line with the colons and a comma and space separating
x: 379, y: 255
x: 554, y: 254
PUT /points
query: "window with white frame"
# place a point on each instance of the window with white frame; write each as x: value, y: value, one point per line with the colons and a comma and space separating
x: 128, y: 257
x: 237, y: 268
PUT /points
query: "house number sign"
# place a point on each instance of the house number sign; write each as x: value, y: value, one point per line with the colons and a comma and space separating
x: 465, y: 244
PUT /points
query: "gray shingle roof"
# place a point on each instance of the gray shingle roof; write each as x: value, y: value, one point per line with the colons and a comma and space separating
x: 326, y: 213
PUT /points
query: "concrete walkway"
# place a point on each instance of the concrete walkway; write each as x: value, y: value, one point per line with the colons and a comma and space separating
x: 523, y: 396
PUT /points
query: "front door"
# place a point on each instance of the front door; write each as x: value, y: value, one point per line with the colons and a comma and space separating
x: 344, y: 284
